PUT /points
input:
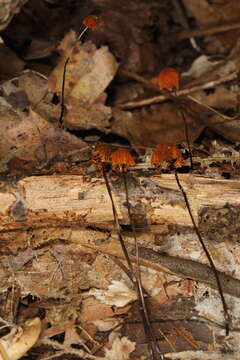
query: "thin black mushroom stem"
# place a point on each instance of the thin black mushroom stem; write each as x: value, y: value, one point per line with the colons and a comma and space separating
x: 121, y: 160
x: 186, y: 131
x: 90, y: 22
x: 227, y: 316
x: 100, y: 156
x: 173, y: 154
x: 143, y: 306
x: 181, y: 110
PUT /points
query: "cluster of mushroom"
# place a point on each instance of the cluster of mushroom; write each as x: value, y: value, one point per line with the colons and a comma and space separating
x: 168, y: 79
x: 122, y: 159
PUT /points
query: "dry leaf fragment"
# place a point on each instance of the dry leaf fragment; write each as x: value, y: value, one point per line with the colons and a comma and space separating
x: 167, y: 152
x: 27, y: 141
x: 89, y: 72
x: 121, y: 160
x: 168, y: 79
x: 117, y: 294
x: 21, y: 339
x: 121, y: 349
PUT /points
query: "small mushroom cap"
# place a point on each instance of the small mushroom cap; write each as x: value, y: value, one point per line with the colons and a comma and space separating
x: 101, y: 155
x: 168, y: 79
x: 101, y: 152
x: 122, y: 157
x: 167, y: 152
x: 91, y: 21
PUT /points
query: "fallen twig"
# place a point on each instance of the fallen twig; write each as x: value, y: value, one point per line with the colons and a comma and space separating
x: 183, y: 92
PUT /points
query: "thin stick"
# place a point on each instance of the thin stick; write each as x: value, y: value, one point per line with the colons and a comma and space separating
x: 183, y: 92
x: 186, y: 34
x: 167, y: 95
x: 132, y: 75
x: 225, y: 117
x: 184, y: 22
x: 225, y: 308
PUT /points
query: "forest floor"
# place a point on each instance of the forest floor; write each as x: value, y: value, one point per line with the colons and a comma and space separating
x: 119, y: 179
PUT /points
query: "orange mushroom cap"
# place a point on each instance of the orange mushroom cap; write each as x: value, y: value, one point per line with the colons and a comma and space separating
x: 168, y: 79
x: 121, y: 160
x: 167, y: 152
x: 102, y: 151
x: 100, y: 155
x: 91, y: 21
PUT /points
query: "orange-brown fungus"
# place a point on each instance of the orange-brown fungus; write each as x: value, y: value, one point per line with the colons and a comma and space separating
x: 101, y: 155
x: 167, y: 152
x: 121, y: 160
x: 91, y: 21
x: 168, y: 79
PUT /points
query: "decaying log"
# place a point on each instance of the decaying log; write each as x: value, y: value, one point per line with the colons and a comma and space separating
x: 39, y: 211
x: 66, y: 200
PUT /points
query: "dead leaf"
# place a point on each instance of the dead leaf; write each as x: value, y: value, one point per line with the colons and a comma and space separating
x: 200, y: 66
x: 93, y: 310
x: 27, y: 140
x: 21, y: 339
x: 159, y: 124
x: 96, y: 116
x: 88, y: 72
x: 10, y: 63
x: 209, y: 13
x: 121, y: 349
x: 117, y: 294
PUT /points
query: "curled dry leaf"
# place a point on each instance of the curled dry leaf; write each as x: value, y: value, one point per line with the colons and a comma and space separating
x: 117, y: 294
x: 168, y: 79
x: 21, y: 339
x: 122, y: 160
x: 167, y: 152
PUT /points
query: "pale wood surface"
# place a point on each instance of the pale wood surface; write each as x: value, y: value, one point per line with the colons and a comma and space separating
x: 68, y: 199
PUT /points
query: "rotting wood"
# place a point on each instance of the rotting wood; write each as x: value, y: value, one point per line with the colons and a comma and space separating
x: 77, y: 211
x: 70, y: 199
